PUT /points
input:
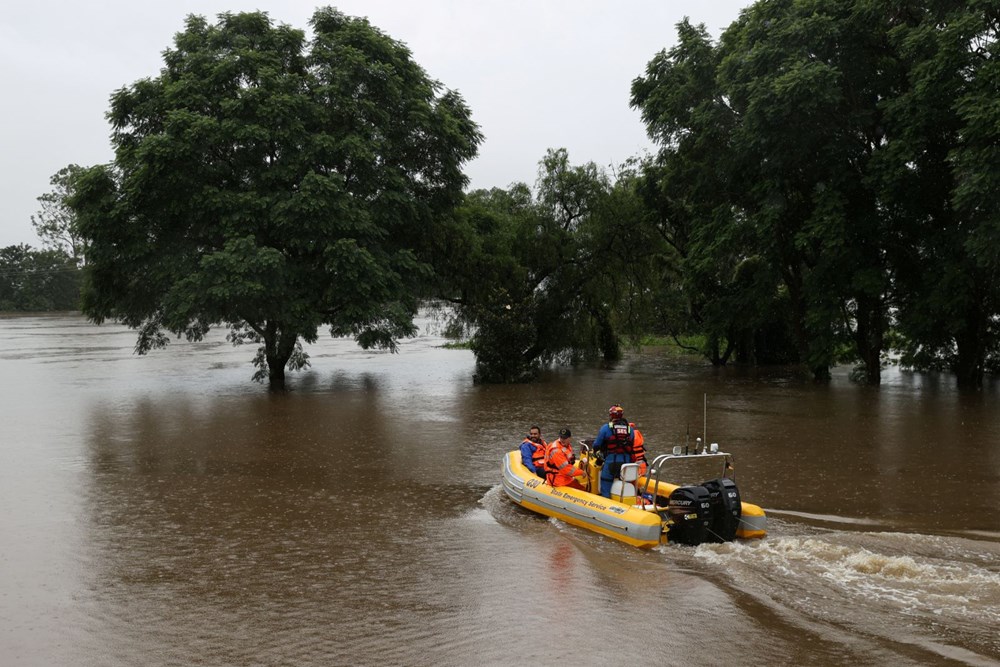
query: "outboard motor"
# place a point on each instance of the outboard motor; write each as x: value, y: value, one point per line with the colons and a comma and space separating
x: 690, y: 514
x: 724, y: 498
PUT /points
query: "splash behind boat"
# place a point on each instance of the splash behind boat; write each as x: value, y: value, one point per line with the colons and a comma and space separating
x: 644, y: 511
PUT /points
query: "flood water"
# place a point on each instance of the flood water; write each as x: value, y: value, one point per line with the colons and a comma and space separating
x: 164, y: 510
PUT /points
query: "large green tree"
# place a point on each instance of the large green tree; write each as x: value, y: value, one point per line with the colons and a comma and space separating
x: 275, y: 185
x: 851, y: 148
x: 720, y: 286
x: 940, y: 177
x: 545, y: 275
x: 765, y: 182
x: 806, y: 78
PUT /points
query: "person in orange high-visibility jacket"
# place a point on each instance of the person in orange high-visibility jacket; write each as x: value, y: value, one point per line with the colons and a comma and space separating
x: 559, y: 459
x: 638, y: 451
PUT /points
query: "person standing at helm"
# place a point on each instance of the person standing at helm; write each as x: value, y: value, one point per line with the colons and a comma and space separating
x: 559, y: 459
x: 533, y: 451
x: 615, y: 443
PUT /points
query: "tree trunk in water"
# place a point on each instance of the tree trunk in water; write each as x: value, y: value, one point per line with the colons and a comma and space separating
x: 869, y: 338
x: 610, y: 348
x: 969, y: 374
x: 275, y: 376
x: 820, y: 371
x: 799, y: 325
x: 278, y: 346
x: 969, y: 367
x: 607, y: 339
x: 713, y: 350
x: 716, y: 356
x: 873, y: 368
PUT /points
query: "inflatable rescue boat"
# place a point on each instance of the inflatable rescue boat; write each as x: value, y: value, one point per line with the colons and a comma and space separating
x: 644, y: 511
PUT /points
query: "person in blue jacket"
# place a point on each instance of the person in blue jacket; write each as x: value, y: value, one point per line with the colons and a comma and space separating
x: 614, y: 443
x: 533, y: 451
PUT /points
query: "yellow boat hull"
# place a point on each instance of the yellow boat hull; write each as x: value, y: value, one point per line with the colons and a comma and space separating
x: 619, y: 520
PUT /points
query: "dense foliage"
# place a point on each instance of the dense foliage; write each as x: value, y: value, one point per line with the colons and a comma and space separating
x: 273, y: 185
x: 829, y: 166
x: 547, y: 275
x: 824, y: 192
x: 38, y: 280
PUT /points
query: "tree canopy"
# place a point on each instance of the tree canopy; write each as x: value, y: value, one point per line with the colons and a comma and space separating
x: 828, y: 164
x: 550, y: 274
x: 274, y: 185
x: 823, y: 193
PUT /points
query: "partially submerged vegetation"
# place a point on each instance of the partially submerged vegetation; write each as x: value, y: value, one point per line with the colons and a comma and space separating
x: 824, y: 193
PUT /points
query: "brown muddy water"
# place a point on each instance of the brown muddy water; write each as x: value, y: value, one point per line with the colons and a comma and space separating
x: 164, y: 510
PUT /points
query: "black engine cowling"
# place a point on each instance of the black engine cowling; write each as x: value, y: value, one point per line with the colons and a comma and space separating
x: 724, y: 498
x: 690, y: 515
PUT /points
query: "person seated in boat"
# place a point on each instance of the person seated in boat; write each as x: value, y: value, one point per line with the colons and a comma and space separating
x: 615, y: 444
x: 533, y: 451
x: 559, y: 459
x: 638, y: 449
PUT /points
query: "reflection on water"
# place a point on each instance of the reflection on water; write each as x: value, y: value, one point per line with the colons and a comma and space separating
x: 163, y: 510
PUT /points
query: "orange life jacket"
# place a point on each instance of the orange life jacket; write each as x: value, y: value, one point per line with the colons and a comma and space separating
x: 537, y: 453
x: 559, y: 459
x: 638, y: 451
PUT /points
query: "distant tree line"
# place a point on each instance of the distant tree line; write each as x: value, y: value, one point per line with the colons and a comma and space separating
x: 49, y: 278
x: 823, y: 193
x: 38, y: 280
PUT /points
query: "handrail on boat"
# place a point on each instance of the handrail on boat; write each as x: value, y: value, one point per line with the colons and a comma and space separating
x: 656, y: 467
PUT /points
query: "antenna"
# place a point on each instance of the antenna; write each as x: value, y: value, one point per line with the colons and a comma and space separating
x: 705, y: 417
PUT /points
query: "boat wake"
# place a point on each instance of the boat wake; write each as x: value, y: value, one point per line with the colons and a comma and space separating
x: 507, y: 513
x: 823, y: 518
x: 939, y: 593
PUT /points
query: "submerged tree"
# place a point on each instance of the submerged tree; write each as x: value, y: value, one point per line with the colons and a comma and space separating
x: 544, y: 276
x: 941, y: 178
x: 275, y: 186
x: 849, y: 148
x: 721, y: 288
x: 769, y: 140
x: 807, y: 79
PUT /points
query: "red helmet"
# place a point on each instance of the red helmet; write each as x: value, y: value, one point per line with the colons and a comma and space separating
x: 616, y: 412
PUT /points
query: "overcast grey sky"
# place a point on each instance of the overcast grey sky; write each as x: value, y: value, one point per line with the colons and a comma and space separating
x: 537, y: 75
